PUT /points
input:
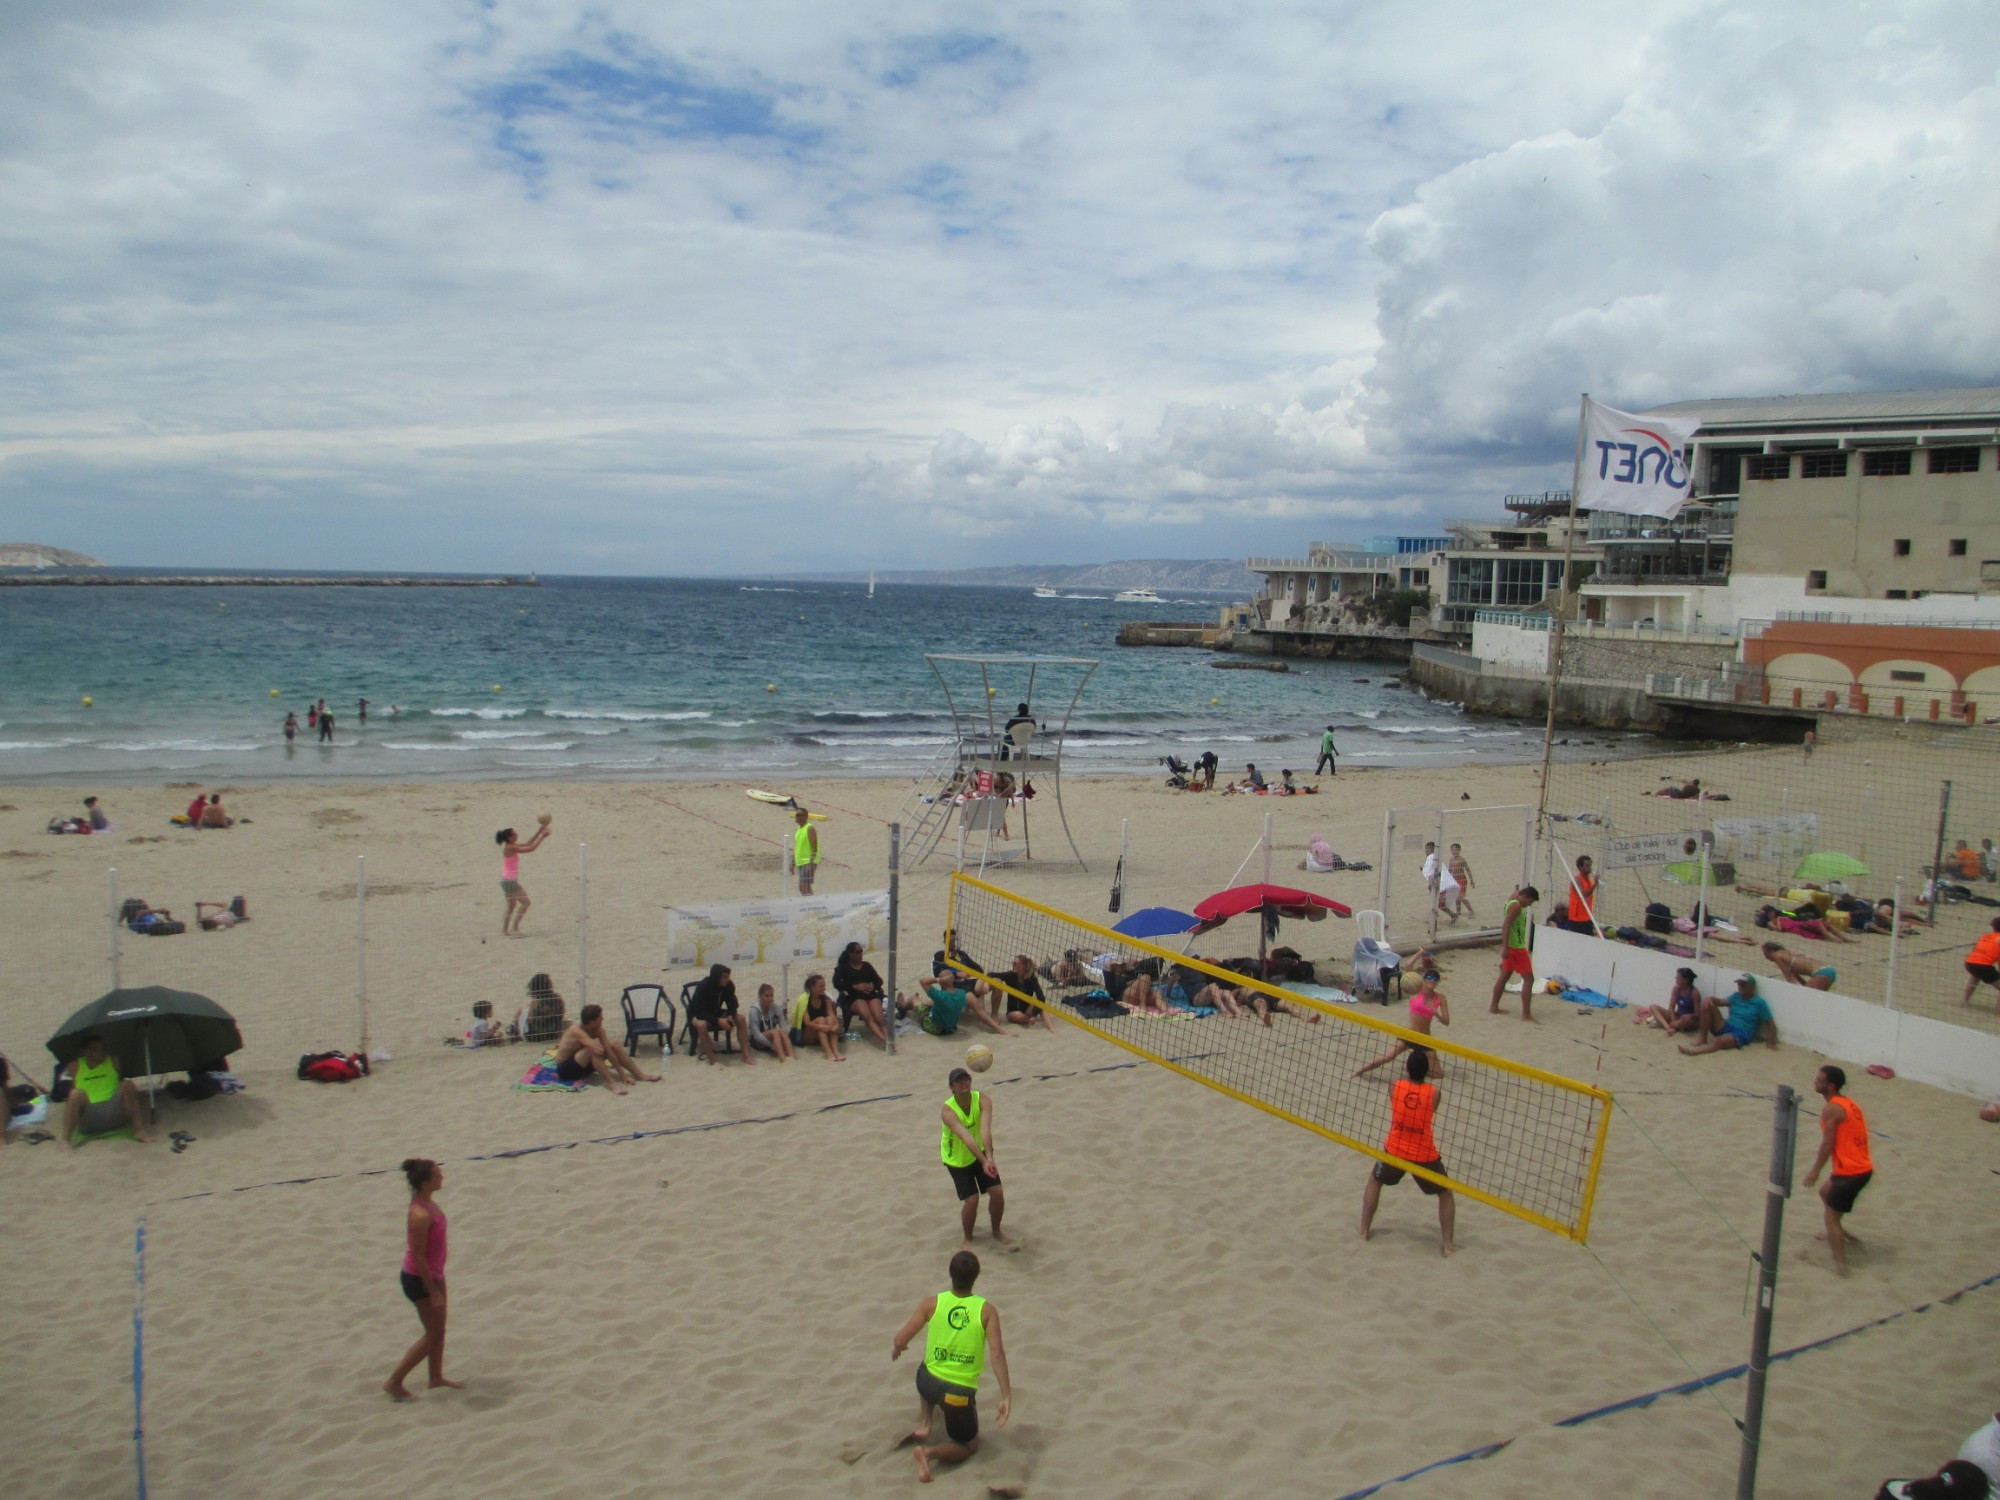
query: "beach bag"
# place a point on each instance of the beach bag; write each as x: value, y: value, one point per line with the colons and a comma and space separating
x: 332, y: 1067
x: 239, y: 908
x: 1659, y: 917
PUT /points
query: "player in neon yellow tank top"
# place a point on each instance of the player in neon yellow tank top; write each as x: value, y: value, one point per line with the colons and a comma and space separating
x: 1514, y: 955
x: 805, y: 851
x: 960, y: 1332
x: 100, y: 1100
x: 966, y: 1148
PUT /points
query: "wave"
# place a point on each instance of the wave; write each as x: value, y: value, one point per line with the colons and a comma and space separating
x: 141, y: 746
x: 33, y: 744
x: 510, y: 748
x: 626, y: 715
x: 869, y: 715
x: 497, y: 734
x: 476, y: 713
x: 751, y: 588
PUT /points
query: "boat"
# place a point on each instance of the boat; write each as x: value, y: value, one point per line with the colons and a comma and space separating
x: 1043, y: 591
x: 1136, y: 596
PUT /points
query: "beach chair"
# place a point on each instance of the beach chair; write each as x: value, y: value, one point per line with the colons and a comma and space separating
x: 1376, y: 965
x: 1372, y: 924
x: 725, y: 1041
x: 1017, y: 740
x: 650, y: 1024
x: 984, y: 816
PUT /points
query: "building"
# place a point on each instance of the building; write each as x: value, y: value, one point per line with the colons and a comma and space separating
x: 1514, y: 564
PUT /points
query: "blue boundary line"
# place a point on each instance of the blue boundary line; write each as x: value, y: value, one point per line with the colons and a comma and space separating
x: 1683, y: 1388
x: 139, y: 1352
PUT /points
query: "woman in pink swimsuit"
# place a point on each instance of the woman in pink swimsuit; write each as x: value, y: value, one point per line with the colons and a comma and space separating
x: 511, y: 850
x: 1426, y: 1005
x: 423, y: 1278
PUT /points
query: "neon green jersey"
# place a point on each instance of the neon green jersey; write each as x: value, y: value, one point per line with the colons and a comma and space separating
x: 803, y: 852
x: 1517, y: 930
x: 955, y: 1342
x: 951, y: 1148
x: 97, y: 1083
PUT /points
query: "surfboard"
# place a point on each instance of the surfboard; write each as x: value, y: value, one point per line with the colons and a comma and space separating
x: 778, y: 799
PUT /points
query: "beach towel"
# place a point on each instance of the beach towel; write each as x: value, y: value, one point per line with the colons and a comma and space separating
x: 1576, y: 995
x: 1327, y: 993
x: 542, y: 1078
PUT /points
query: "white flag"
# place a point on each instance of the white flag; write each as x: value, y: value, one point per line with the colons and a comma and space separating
x: 1633, y: 464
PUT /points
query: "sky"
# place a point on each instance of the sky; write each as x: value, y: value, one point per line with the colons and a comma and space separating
x: 672, y: 289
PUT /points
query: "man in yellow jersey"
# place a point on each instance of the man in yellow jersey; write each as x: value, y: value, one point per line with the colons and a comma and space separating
x: 959, y: 1331
x: 1843, y: 1136
x: 967, y: 1149
x: 99, y: 1099
x: 1412, y: 1108
x: 805, y: 850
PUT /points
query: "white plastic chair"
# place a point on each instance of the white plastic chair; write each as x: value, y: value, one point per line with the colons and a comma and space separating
x: 1373, y: 925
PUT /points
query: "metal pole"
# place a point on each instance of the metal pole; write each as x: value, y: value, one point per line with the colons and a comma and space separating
x: 895, y: 897
x: 361, y: 945
x: 1937, y: 853
x: 1437, y: 851
x: 1701, y: 906
x: 582, y: 925
x: 113, y: 882
x: 1784, y: 1130
x: 1556, y: 634
x: 1895, y: 933
x: 1267, y: 848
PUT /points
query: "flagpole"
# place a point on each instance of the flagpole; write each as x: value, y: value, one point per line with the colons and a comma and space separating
x: 1556, y: 631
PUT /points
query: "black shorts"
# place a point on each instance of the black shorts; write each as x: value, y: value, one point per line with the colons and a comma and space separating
x: 1842, y: 1191
x: 959, y: 1404
x: 1984, y: 973
x: 971, y: 1181
x: 574, y: 1069
x: 413, y: 1287
x: 1389, y: 1176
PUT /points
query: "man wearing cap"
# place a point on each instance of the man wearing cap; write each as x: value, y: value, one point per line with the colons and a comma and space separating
x: 101, y: 1101
x: 967, y: 1149
x: 1748, y: 1020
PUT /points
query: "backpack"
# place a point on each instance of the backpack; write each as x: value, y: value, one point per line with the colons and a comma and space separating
x: 1659, y: 917
x: 332, y: 1067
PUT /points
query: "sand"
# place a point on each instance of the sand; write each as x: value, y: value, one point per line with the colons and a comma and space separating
x: 1190, y: 1312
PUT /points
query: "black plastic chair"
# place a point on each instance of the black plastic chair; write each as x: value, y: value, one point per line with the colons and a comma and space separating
x: 725, y: 1037
x: 649, y: 1024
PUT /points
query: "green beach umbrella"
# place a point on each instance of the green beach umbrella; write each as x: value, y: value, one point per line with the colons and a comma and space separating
x: 1686, y: 872
x: 151, y: 1030
x: 1830, y: 864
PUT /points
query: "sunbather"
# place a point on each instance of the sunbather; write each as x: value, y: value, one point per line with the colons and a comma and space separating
x: 1795, y: 969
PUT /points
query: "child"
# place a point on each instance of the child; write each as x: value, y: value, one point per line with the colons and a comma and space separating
x: 485, y: 1030
x: 768, y: 1025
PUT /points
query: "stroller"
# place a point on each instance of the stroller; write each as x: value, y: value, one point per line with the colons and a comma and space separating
x: 1178, y: 772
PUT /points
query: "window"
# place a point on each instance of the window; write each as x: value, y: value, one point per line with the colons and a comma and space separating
x: 1770, y: 466
x: 1816, y: 581
x: 1902, y: 546
x: 1896, y: 676
x: 1956, y: 546
x: 1954, y: 460
x: 1880, y: 462
x: 1520, y: 581
x: 1469, y: 580
x: 1825, y: 465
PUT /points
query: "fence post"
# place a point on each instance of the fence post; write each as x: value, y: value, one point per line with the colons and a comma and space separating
x: 1937, y: 852
x: 1895, y: 932
x: 112, y: 877
x: 895, y: 896
x: 361, y: 945
x: 1777, y: 1188
x: 582, y: 925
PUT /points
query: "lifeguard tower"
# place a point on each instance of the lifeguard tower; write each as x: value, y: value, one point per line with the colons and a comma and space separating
x: 997, y: 763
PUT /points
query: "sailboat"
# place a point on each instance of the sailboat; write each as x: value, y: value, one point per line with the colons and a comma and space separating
x: 871, y: 583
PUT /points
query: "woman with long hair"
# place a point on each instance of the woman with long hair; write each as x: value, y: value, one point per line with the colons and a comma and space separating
x: 423, y: 1278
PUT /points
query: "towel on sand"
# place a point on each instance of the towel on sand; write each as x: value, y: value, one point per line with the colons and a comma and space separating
x: 1573, y: 995
x: 1325, y: 993
x: 542, y: 1078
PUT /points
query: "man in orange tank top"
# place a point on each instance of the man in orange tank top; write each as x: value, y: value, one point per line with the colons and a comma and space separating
x: 1843, y: 1136
x: 1982, y: 964
x: 1412, y: 1107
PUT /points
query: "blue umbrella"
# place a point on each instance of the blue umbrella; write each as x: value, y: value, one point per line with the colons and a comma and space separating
x: 1157, y: 921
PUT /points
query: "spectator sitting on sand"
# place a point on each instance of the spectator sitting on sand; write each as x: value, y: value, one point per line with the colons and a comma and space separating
x: 1016, y: 1011
x: 1793, y: 968
x: 1748, y: 1020
x: 585, y: 1049
x: 213, y: 816
x: 1682, y: 1012
x: 100, y: 821
x: 768, y: 1031
x: 100, y: 1099
x: 195, y: 809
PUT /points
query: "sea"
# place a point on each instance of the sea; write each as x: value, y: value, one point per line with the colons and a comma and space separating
x: 599, y: 678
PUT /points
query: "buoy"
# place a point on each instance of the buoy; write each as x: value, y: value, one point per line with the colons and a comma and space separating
x: 991, y: 691
x: 274, y: 692
x: 1213, y: 701
x: 770, y: 687
x: 496, y: 687
x: 88, y: 700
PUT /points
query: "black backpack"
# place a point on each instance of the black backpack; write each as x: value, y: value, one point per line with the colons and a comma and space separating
x: 1659, y: 917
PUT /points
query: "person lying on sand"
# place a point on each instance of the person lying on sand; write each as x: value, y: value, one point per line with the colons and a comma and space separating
x: 1795, y: 969
x: 585, y: 1049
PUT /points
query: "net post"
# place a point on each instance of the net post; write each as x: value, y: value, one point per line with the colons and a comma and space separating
x: 1388, y: 842
x: 1895, y: 932
x: 1701, y: 907
x: 1777, y: 1188
x: 361, y: 946
x: 1937, y: 852
x: 582, y: 925
x: 895, y: 900
x: 111, y: 880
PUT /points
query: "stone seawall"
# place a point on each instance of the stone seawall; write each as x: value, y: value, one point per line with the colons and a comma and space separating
x: 1458, y: 678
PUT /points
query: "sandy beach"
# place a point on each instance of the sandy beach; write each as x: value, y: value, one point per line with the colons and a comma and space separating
x: 1190, y: 1312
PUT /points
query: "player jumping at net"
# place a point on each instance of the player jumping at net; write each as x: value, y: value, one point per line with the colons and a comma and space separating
x: 1412, y: 1107
x: 967, y: 1149
x: 1514, y: 955
x: 1843, y: 1136
x: 959, y: 1331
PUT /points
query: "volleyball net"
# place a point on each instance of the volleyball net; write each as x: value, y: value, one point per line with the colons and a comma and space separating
x: 1526, y: 1142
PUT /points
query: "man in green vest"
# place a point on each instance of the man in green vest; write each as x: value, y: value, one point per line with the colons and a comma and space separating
x: 959, y: 1330
x: 805, y: 850
x: 1328, y: 756
x: 967, y: 1149
x: 100, y: 1100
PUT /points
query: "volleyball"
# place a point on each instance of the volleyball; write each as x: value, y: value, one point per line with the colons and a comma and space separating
x: 544, y: 818
x: 979, y: 1057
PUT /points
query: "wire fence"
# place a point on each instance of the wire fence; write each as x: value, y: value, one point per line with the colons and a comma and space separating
x: 1827, y: 851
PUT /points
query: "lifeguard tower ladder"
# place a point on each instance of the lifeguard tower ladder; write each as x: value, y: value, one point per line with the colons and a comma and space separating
x: 958, y: 791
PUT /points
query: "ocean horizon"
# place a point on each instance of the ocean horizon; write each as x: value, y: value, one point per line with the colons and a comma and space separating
x: 759, y: 678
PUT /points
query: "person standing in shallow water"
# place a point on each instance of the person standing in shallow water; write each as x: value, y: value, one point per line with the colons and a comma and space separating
x: 423, y: 1279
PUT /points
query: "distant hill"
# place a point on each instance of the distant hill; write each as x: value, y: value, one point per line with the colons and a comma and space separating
x: 1222, y: 575
x: 35, y: 555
